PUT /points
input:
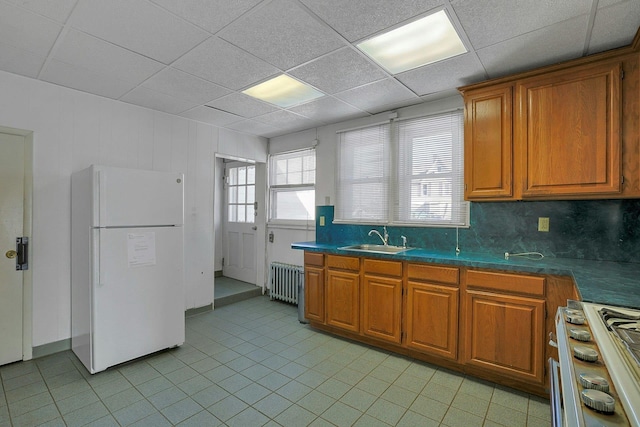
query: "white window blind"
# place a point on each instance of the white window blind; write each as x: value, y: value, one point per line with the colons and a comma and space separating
x: 409, y: 172
x: 431, y: 171
x: 363, y: 175
x: 292, y: 178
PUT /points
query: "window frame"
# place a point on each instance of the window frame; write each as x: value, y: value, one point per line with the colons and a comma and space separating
x: 248, y: 207
x: 274, y: 189
x: 400, y: 182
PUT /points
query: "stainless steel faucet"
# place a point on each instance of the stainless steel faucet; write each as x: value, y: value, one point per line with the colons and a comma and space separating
x: 385, y: 239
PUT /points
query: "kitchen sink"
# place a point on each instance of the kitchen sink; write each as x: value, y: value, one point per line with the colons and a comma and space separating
x: 383, y: 249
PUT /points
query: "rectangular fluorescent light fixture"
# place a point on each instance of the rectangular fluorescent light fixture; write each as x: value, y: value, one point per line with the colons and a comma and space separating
x: 283, y: 91
x: 425, y: 41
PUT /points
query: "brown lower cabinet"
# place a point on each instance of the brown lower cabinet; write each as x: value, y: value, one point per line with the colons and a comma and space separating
x: 490, y: 324
x: 382, y: 300
x: 343, y: 292
x: 314, y: 286
x: 505, y: 322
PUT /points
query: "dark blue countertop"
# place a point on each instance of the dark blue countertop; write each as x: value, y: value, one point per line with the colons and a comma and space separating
x: 604, y: 282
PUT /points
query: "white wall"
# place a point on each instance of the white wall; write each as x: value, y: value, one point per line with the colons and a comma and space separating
x: 281, y: 250
x: 73, y: 130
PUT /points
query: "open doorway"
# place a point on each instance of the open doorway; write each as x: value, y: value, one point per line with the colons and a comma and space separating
x: 239, y: 238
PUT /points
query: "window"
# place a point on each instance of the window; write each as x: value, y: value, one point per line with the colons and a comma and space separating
x: 292, y: 178
x: 241, y: 193
x: 409, y: 172
x: 363, y: 175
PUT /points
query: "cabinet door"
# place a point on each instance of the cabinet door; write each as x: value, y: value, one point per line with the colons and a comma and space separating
x: 381, y: 306
x: 488, y: 144
x: 505, y: 334
x: 343, y: 302
x: 432, y: 319
x: 314, y: 293
x: 569, y: 129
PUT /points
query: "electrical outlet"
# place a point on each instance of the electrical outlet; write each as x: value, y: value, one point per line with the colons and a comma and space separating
x: 543, y: 224
x: 322, y: 221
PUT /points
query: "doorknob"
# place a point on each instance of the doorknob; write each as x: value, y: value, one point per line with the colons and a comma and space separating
x: 11, y: 254
x: 254, y: 227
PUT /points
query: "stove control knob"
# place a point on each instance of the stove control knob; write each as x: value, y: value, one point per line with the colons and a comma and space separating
x: 576, y: 319
x: 585, y: 353
x: 580, y: 334
x: 598, y: 400
x: 594, y: 382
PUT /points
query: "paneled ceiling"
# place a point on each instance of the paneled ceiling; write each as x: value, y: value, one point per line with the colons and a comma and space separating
x: 193, y: 58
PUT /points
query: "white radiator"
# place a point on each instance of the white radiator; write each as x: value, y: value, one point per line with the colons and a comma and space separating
x: 284, y: 280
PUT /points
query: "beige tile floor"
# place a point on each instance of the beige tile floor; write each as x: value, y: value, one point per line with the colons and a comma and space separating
x: 252, y: 364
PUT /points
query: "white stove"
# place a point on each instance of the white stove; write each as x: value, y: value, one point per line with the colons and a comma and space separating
x: 598, y: 348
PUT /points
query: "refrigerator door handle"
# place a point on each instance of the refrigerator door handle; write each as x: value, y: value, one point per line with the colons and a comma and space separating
x: 98, y: 275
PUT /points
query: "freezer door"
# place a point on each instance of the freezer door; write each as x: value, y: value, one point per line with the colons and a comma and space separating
x: 138, y: 298
x: 131, y: 197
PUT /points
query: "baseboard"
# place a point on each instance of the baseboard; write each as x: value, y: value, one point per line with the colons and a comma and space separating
x: 198, y: 310
x: 51, y: 348
x: 217, y: 273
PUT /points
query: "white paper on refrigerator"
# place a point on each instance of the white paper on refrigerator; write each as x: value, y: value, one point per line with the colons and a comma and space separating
x: 141, y: 249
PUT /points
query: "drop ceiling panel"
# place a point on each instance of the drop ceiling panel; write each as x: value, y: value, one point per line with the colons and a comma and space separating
x: 58, y: 9
x: 457, y: 71
x: 85, y: 51
x: 179, y: 84
x: 85, y: 80
x: 20, y: 61
x: 138, y: 25
x: 286, y: 120
x: 282, y: 33
x: 252, y: 127
x: 549, y: 45
x: 614, y: 25
x: 328, y: 110
x: 489, y: 22
x: 382, y: 92
x: 211, y: 15
x: 236, y: 71
x: 157, y: 101
x: 242, y: 105
x: 26, y: 30
x: 212, y: 116
x: 356, y: 19
x: 338, y: 71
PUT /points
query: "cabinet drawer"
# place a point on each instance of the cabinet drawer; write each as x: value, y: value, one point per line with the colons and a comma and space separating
x: 433, y: 273
x: 312, y: 258
x: 343, y: 262
x: 387, y: 268
x: 505, y: 282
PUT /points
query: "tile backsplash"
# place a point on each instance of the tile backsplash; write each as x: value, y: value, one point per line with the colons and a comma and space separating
x: 595, y: 229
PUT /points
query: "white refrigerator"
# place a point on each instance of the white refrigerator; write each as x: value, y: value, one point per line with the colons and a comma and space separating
x: 127, y: 278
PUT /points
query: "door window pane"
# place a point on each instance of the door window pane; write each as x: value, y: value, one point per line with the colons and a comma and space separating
x: 241, y: 193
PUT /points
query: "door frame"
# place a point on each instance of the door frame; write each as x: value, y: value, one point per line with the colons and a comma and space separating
x: 261, y: 232
x: 27, y: 275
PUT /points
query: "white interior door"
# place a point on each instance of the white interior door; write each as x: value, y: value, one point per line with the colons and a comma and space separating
x: 239, y: 228
x: 11, y: 226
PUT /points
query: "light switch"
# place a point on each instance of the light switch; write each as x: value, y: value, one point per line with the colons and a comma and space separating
x: 543, y: 224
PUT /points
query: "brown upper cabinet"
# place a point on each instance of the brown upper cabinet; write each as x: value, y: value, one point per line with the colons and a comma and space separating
x: 488, y: 143
x: 567, y: 131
